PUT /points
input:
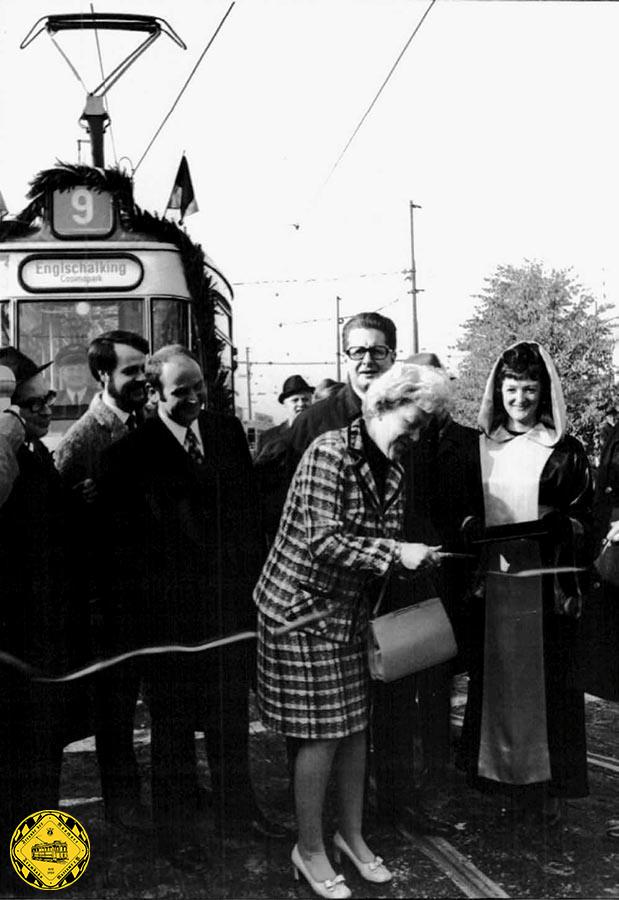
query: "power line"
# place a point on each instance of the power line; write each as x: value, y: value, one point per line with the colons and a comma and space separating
x: 184, y: 87
x: 316, y: 279
x: 378, y: 93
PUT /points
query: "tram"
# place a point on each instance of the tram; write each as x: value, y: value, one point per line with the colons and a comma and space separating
x: 50, y: 851
x: 82, y: 258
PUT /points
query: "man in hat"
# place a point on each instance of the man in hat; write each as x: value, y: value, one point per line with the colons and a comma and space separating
x: 33, y: 618
x: 116, y: 360
x: 296, y: 396
x: 271, y: 455
x: 77, y: 389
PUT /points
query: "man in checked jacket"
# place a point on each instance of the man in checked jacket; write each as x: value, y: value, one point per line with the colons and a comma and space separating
x: 369, y: 342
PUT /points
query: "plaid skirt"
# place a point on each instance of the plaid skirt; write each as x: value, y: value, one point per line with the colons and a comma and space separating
x: 308, y: 687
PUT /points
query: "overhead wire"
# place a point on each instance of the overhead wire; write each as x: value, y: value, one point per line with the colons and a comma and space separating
x: 184, y: 87
x: 315, y: 279
x: 376, y: 96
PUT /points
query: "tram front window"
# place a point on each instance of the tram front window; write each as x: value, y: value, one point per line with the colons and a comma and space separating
x: 169, y: 322
x: 61, y: 330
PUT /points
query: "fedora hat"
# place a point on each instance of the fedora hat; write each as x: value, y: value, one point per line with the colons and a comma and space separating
x: 22, y: 367
x: 424, y: 359
x: 294, y: 384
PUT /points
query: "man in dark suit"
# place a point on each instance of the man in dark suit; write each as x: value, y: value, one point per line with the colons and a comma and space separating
x: 271, y: 453
x: 34, y: 625
x: 296, y: 395
x: 117, y: 360
x: 182, y: 507
x: 444, y: 487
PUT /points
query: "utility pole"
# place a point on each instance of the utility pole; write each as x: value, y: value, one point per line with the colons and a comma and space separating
x: 414, y: 291
x: 338, y: 346
x: 248, y: 374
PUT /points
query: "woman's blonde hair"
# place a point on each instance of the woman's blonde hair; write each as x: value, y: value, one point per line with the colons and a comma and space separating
x: 425, y: 386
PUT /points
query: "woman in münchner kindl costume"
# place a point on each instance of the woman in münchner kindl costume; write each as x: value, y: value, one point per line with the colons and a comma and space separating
x: 524, y: 728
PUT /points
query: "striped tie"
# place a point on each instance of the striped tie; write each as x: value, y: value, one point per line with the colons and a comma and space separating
x: 193, y: 448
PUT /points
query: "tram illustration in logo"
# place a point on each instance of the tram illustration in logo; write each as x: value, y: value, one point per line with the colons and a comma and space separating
x: 50, y: 850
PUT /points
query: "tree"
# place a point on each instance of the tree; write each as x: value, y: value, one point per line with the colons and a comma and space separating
x: 520, y: 303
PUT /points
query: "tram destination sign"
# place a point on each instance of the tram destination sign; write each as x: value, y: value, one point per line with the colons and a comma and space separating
x: 71, y: 272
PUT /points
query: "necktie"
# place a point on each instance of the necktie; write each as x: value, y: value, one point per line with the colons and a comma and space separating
x: 192, y: 447
x: 131, y: 423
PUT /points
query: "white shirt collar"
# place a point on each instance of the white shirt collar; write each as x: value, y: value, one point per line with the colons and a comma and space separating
x: 180, y: 431
x: 109, y: 402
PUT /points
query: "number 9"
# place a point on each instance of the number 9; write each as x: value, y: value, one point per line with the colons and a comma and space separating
x: 81, y: 201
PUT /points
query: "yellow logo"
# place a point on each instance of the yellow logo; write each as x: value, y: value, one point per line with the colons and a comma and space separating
x: 50, y: 850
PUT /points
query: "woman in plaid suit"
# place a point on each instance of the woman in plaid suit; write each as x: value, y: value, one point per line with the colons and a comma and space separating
x: 340, y: 531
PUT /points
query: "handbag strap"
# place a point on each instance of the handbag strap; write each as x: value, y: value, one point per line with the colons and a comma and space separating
x: 381, y: 595
x: 385, y: 585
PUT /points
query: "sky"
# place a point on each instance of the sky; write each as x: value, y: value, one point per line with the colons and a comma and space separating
x: 499, y: 122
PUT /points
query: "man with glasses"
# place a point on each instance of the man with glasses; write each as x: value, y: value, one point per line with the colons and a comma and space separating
x: 33, y: 612
x: 116, y: 360
x: 369, y: 342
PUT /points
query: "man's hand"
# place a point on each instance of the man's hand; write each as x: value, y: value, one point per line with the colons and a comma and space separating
x: 87, y: 489
x: 613, y: 533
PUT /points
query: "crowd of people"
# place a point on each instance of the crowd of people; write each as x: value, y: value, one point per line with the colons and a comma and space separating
x: 151, y: 527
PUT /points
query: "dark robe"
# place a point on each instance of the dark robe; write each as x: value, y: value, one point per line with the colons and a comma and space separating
x: 565, y: 487
x: 600, y: 631
x: 33, y: 628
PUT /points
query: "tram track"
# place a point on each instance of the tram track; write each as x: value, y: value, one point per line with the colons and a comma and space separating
x: 457, y: 867
x: 469, y: 880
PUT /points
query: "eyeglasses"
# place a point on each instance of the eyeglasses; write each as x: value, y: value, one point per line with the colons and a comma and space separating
x: 378, y: 351
x: 37, y: 404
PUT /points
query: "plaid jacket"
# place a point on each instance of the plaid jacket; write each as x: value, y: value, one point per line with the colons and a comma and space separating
x: 334, y: 538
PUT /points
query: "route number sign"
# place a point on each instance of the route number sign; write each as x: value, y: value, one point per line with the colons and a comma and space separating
x: 82, y: 212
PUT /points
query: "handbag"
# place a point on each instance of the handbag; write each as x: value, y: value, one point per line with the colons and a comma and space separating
x: 409, y: 640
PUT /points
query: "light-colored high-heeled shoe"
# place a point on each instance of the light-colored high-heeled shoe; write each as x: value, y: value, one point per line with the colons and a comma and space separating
x: 334, y: 888
x: 372, y: 871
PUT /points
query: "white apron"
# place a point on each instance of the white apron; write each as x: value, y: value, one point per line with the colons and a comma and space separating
x: 514, y: 740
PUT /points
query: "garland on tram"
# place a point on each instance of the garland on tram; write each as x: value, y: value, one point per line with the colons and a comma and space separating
x: 67, y: 176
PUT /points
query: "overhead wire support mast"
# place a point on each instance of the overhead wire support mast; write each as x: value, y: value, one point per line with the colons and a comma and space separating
x: 414, y: 291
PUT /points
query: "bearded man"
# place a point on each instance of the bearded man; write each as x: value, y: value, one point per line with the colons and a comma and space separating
x: 116, y: 360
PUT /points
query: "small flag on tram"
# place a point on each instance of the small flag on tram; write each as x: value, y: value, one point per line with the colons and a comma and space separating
x: 182, y: 196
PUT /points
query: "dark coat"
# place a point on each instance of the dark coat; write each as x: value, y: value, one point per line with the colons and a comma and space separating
x: 272, y: 437
x: 32, y: 540
x: 271, y: 467
x: 187, y: 549
x: 335, y: 411
x: 600, y: 625
x: 278, y: 459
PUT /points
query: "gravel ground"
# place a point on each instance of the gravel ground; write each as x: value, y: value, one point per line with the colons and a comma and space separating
x: 577, y: 860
